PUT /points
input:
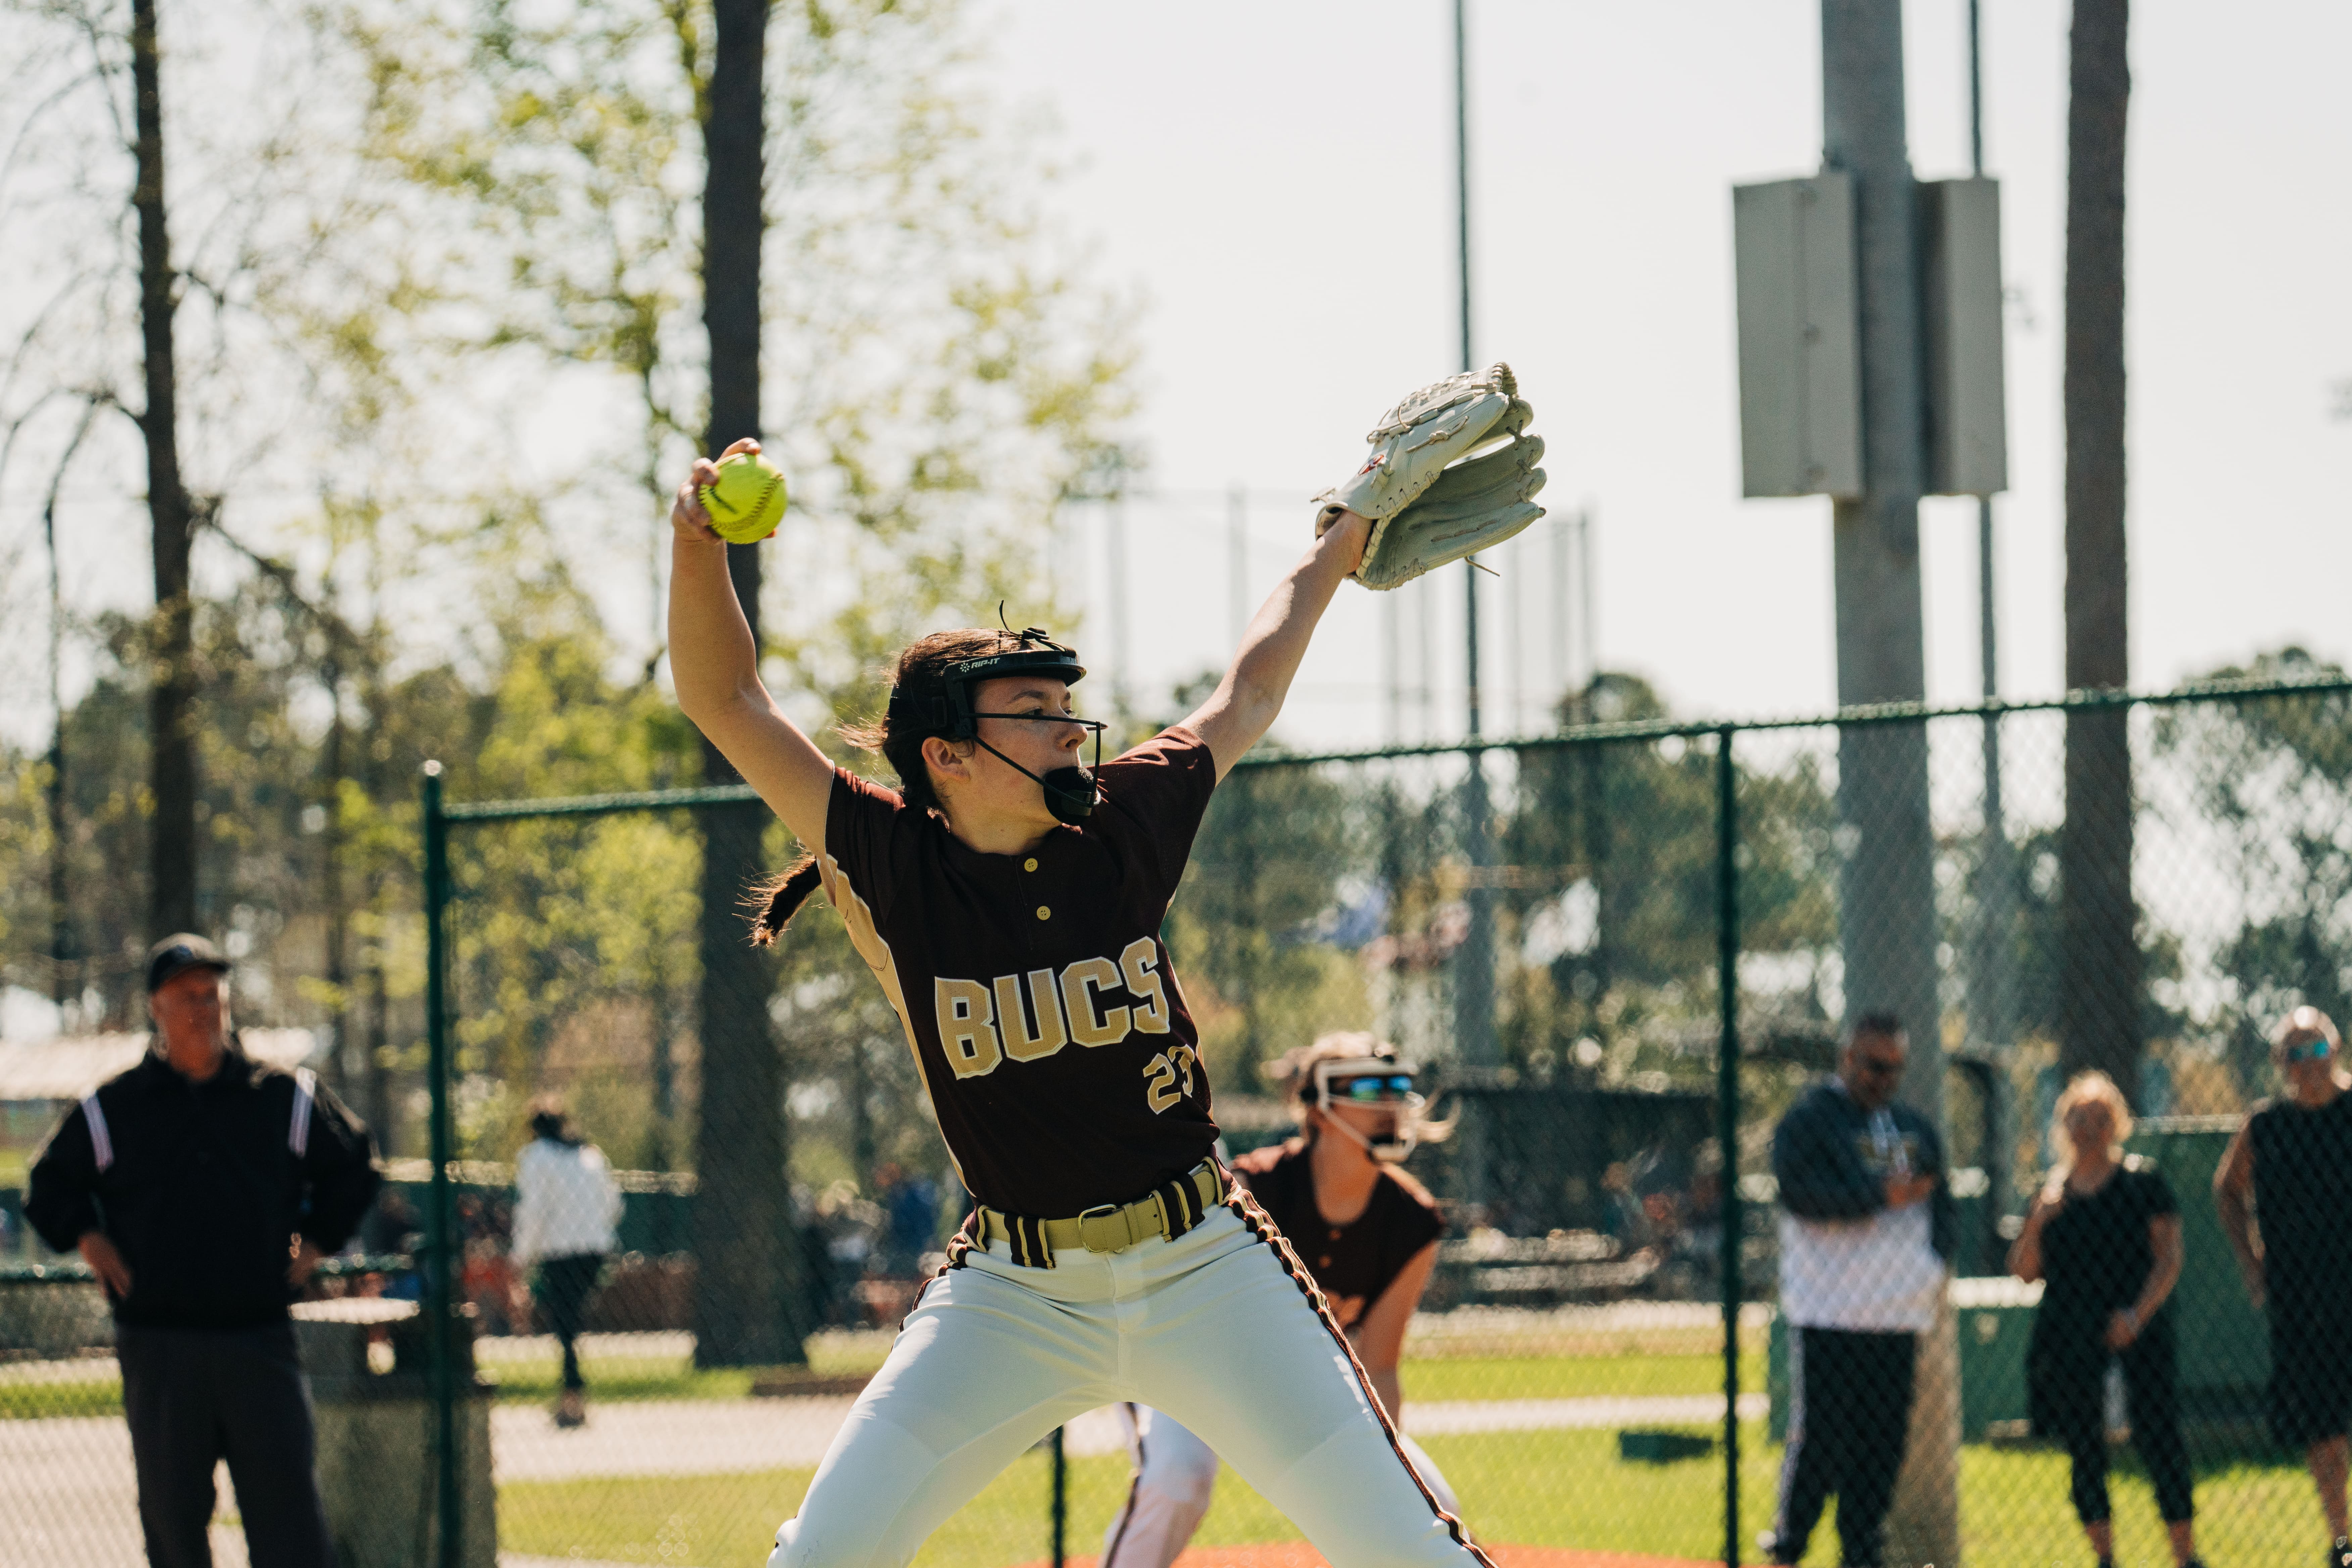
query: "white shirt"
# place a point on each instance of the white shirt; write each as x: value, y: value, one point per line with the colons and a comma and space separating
x: 1876, y: 1274
x: 566, y: 1202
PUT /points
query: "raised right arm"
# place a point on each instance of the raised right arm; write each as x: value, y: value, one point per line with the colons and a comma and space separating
x: 716, y: 666
x: 1817, y: 1178
x: 2025, y: 1253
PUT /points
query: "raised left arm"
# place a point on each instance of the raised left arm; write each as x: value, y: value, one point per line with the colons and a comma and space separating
x: 1244, y: 706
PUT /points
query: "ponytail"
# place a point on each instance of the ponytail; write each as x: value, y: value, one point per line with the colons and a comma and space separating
x: 779, y: 901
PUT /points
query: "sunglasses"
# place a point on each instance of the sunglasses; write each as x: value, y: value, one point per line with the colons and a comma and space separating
x: 2309, y: 1050
x: 1876, y: 1066
x: 1373, y: 1089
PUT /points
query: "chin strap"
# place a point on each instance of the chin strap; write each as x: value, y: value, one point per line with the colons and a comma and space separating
x: 1390, y: 1152
x: 1067, y: 804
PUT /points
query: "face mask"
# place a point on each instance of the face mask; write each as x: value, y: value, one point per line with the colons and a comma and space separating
x: 1397, y: 1141
x: 1070, y: 793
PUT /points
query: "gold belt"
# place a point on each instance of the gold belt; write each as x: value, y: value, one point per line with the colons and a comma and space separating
x: 1109, y: 1228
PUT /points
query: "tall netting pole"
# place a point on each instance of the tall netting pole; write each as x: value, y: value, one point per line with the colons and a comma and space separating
x: 1727, y: 1116
x: 440, y: 1269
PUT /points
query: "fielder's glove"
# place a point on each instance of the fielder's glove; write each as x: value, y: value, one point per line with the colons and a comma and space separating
x: 1423, y: 512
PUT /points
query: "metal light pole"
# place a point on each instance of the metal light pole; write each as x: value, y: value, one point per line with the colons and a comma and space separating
x: 1474, y: 961
x: 1987, y: 623
x: 1888, y: 885
x: 1462, y: 264
x: 1473, y: 971
x: 1992, y: 991
x: 1888, y: 894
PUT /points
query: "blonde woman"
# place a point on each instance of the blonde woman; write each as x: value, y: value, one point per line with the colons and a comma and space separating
x: 2103, y: 1235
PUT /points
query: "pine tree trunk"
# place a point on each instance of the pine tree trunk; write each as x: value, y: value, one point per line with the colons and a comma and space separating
x: 2100, y: 977
x: 172, y: 698
x: 744, y: 1236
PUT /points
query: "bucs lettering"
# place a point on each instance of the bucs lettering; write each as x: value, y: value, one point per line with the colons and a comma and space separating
x: 1030, y: 1016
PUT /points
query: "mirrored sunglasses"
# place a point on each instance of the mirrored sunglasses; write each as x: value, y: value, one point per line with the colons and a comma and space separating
x: 2309, y: 1050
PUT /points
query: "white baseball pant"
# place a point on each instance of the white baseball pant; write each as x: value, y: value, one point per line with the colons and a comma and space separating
x: 1175, y: 1474
x: 1221, y: 1328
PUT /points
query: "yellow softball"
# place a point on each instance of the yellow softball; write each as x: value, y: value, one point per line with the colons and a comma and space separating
x: 748, y: 503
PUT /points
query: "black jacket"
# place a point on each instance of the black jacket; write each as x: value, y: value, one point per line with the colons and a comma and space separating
x: 1826, y: 1168
x: 203, y: 1187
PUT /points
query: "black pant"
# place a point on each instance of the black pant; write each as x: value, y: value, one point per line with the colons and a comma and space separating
x: 196, y: 1396
x: 2069, y: 1398
x: 1851, y: 1420
x: 565, y: 1285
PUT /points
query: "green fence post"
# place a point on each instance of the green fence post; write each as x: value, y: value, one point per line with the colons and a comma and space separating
x: 1061, y: 1496
x: 441, y: 1253
x: 1727, y: 1113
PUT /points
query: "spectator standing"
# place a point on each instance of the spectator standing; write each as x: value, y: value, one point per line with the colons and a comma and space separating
x: 203, y: 1187
x: 1867, y: 1229
x: 566, y: 1207
x: 2289, y: 1171
x: 2104, y: 1235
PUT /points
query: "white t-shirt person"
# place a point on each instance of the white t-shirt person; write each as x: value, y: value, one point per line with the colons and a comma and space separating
x: 566, y: 1203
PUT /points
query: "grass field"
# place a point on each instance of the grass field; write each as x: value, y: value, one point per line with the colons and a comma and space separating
x: 1554, y: 1487
x: 623, y: 1377
x: 65, y: 1390
x: 1543, y: 1488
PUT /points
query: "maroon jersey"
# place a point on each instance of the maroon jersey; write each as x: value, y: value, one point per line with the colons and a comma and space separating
x: 1354, y: 1263
x: 1038, y: 998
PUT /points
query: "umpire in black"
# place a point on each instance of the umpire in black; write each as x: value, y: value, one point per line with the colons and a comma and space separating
x: 203, y: 1187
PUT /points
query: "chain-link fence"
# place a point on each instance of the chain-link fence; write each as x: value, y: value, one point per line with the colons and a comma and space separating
x: 685, y: 1190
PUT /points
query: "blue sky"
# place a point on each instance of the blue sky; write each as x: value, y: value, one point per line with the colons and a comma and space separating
x: 1276, y: 181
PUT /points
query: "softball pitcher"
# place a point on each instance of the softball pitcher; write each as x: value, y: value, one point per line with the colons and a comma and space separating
x: 1367, y: 1233
x: 1008, y: 901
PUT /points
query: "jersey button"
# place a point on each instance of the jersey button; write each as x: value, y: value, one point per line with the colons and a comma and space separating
x: 1030, y: 864
x: 1044, y: 913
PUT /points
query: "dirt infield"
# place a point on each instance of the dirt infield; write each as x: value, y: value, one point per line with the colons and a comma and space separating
x: 1298, y: 1554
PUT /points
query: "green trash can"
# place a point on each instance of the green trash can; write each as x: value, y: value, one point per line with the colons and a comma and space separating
x: 2224, y: 1344
x: 1996, y: 1319
x: 369, y: 1360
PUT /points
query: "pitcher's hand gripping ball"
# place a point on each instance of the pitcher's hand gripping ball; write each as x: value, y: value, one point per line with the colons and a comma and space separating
x: 747, y: 503
x: 1429, y: 500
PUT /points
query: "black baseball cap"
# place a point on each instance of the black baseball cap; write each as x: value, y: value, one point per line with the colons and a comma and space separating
x: 181, y: 952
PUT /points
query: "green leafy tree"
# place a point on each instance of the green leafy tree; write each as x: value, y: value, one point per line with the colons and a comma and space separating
x: 2270, y: 781
x: 1629, y: 828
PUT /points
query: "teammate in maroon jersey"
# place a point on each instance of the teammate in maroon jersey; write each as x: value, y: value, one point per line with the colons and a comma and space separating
x: 1368, y: 1233
x: 1008, y: 901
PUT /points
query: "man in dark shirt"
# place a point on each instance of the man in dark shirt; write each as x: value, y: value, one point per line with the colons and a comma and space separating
x: 1867, y: 1230
x: 202, y: 1187
x: 2289, y: 1171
